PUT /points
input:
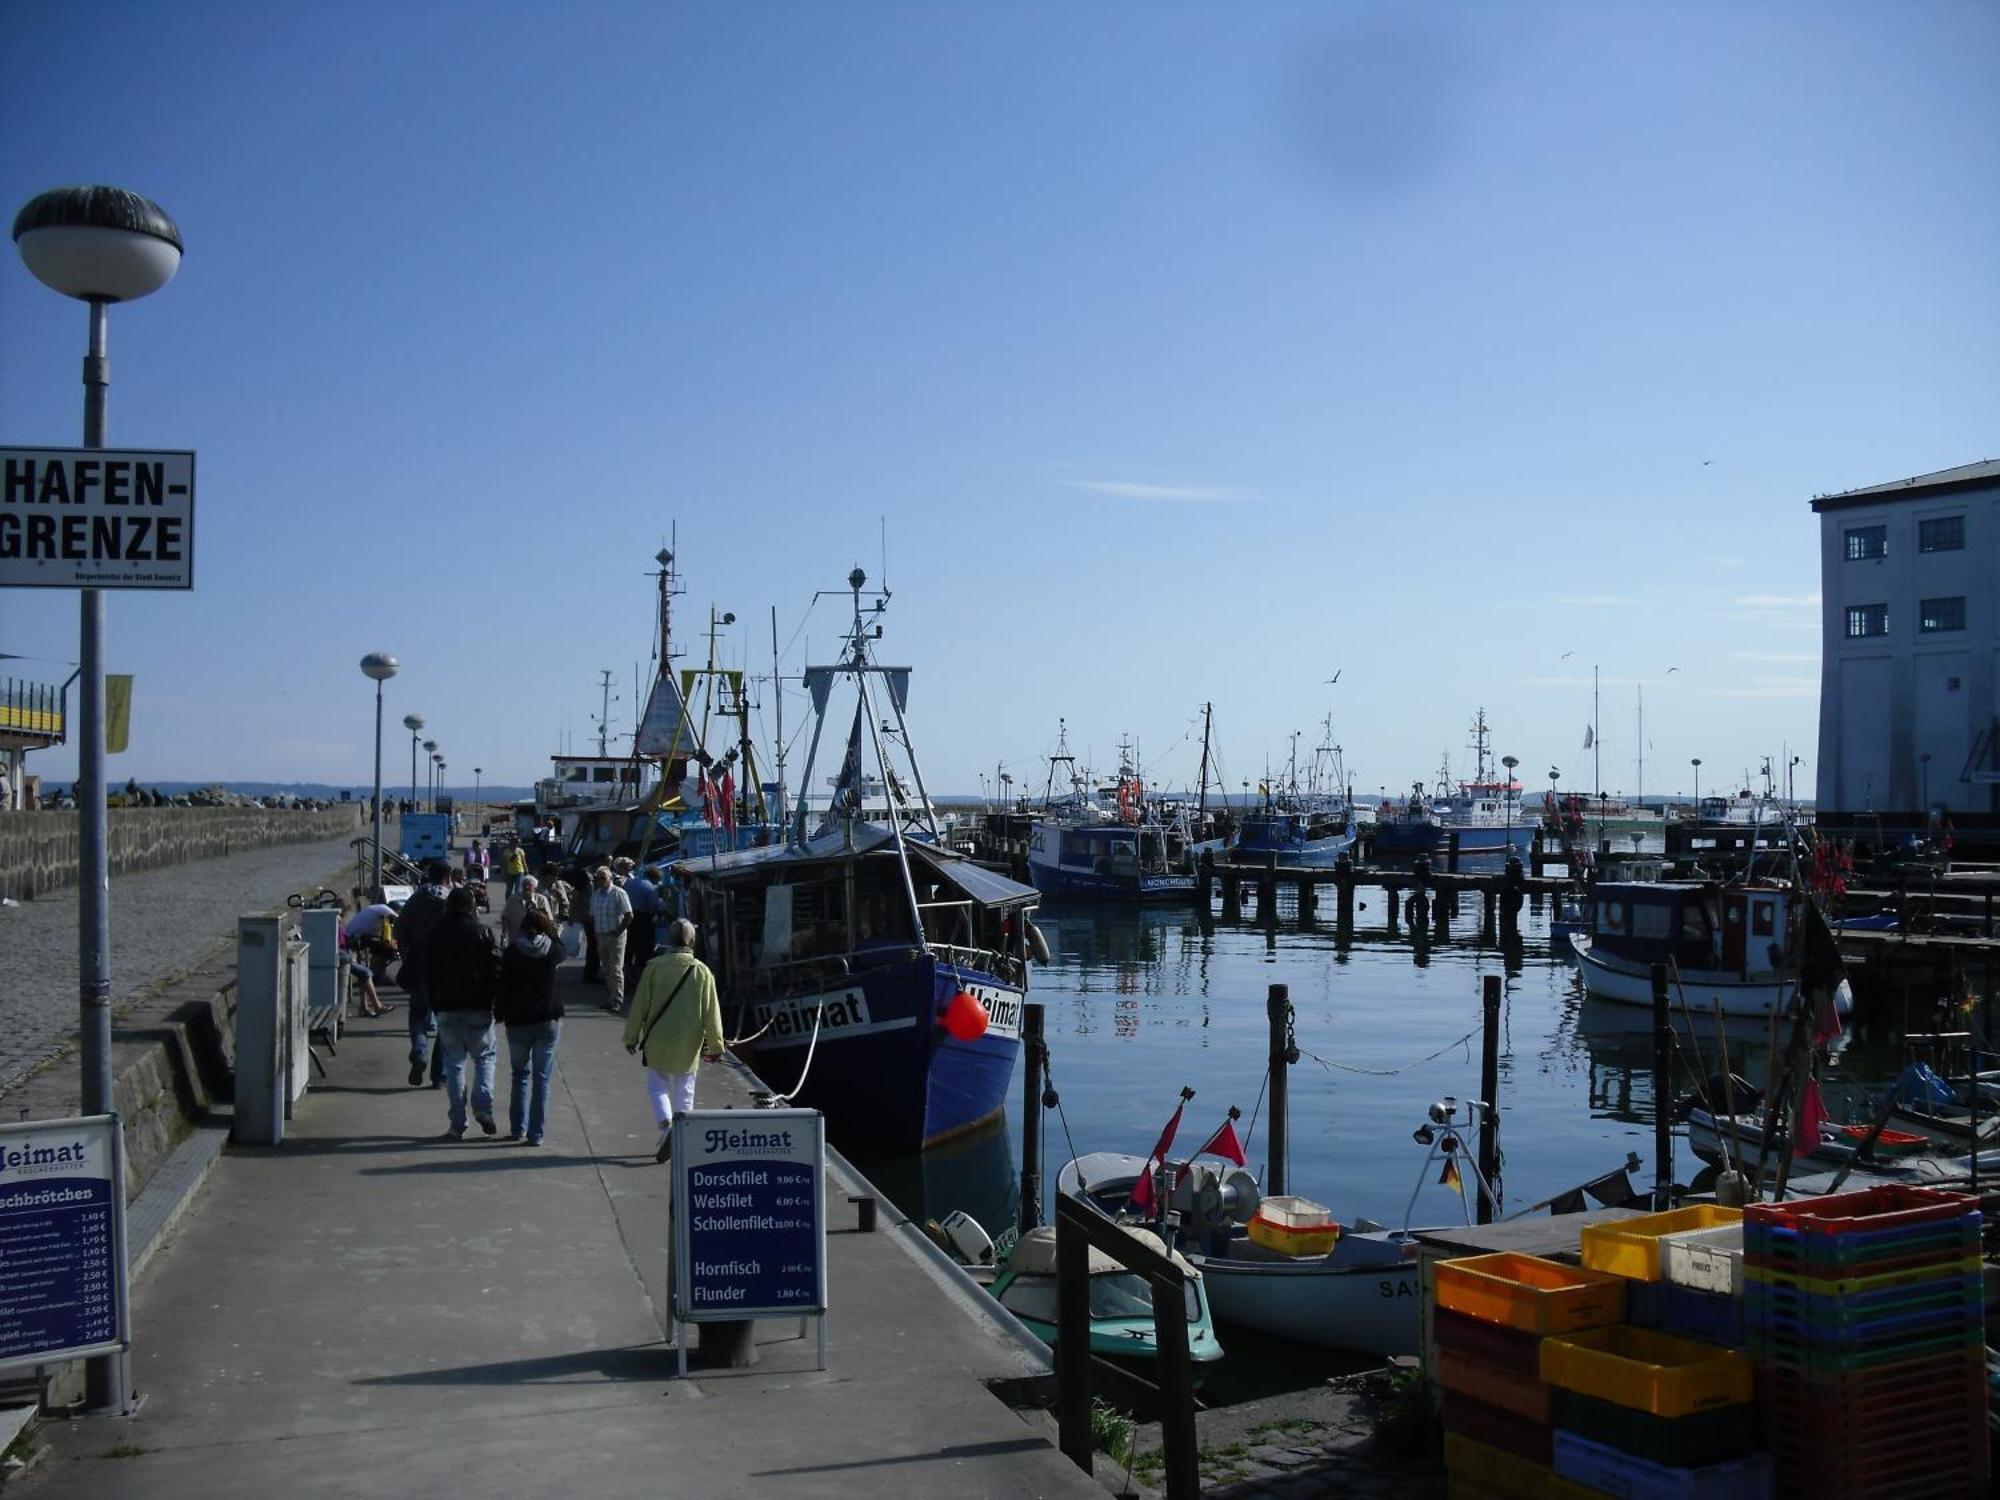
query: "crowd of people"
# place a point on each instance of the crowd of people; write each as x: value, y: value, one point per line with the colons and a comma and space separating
x: 461, y: 984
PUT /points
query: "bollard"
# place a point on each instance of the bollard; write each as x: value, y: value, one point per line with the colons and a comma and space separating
x: 1489, y: 1092
x: 1033, y: 1053
x: 1343, y: 885
x: 1278, y: 1010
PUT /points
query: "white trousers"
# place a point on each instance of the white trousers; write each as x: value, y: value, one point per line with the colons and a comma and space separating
x: 673, y: 1094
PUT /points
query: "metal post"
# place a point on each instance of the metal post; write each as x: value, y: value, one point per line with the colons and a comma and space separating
x: 414, y: 804
x: 376, y: 884
x: 1031, y: 1115
x: 1278, y: 1007
x: 1663, y: 1114
x: 1489, y: 1093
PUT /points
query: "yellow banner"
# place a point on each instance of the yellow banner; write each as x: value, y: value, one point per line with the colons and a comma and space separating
x: 117, y: 711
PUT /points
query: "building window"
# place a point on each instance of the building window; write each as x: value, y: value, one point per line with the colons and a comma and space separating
x: 1941, y: 614
x: 1944, y: 534
x: 1867, y: 542
x: 1866, y: 620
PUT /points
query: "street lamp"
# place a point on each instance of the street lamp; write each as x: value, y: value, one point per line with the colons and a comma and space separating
x: 430, y: 749
x: 477, y: 772
x: 415, y: 724
x: 1509, y: 761
x: 100, y: 245
x: 381, y: 666
x: 1696, y: 763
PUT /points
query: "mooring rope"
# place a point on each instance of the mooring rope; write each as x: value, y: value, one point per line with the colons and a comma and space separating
x: 1392, y: 1072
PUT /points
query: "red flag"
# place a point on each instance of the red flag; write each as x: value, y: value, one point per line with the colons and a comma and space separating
x: 1142, y: 1191
x: 728, y: 793
x: 1826, y: 1025
x: 1224, y: 1143
x: 708, y: 799
x: 1812, y: 1115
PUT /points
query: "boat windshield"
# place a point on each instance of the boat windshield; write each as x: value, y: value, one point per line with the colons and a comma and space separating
x: 1113, y: 1294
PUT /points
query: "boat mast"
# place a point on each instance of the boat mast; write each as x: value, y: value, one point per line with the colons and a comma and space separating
x: 1207, y: 715
x: 1641, y: 797
x: 604, y: 716
x: 778, y: 694
x: 1596, y: 756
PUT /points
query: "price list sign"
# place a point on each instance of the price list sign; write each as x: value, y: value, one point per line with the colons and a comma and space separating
x: 749, y: 1214
x: 62, y: 1240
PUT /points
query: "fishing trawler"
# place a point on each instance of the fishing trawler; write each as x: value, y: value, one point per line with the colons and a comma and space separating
x: 1112, y: 844
x: 868, y: 973
x: 1483, y: 814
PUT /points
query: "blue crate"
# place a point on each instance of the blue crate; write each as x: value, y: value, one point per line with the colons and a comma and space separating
x: 1597, y: 1467
x: 1712, y: 1317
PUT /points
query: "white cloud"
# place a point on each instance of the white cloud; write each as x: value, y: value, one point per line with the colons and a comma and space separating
x: 1125, y: 489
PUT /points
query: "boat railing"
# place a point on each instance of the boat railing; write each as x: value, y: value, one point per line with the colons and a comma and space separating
x: 1001, y: 966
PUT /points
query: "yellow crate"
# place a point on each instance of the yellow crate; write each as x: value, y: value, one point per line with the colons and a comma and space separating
x: 1855, y: 1286
x: 1529, y: 1293
x: 1631, y: 1247
x: 1648, y: 1371
x: 1473, y: 1468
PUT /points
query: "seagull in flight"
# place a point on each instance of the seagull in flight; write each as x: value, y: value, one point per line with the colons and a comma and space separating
x: 1672, y: 670
x: 1335, y: 677
x: 1566, y: 656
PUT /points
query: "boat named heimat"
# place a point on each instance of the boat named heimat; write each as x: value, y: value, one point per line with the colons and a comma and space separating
x: 870, y: 973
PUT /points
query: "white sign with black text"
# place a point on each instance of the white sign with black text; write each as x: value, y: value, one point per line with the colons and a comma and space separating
x: 96, y: 518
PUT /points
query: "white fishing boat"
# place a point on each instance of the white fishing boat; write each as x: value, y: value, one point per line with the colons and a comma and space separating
x: 1730, y: 946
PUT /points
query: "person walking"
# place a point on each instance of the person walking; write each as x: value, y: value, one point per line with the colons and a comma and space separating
x: 533, y: 1017
x: 528, y: 897
x: 642, y: 942
x: 460, y: 971
x: 419, y: 918
x: 514, y: 864
x: 676, y: 1021
x: 610, y: 919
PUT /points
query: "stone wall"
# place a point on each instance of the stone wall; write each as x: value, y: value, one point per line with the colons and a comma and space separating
x: 39, y: 850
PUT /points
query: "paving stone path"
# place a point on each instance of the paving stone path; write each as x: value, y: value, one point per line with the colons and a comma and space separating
x: 161, y: 921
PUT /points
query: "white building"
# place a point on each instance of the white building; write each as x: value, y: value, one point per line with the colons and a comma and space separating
x: 1911, y: 657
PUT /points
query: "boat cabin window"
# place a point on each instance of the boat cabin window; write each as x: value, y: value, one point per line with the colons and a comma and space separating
x: 1655, y: 922
x: 1611, y: 916
x: 1762, y: 917
x: 1124, y: 1294
x: 1694, y: 924
x: 1031, y: 1297
x: 1076, y: 850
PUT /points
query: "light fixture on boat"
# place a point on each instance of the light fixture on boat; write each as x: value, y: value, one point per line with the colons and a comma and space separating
x: 1423, y: 1135
x: 1444, y: 1110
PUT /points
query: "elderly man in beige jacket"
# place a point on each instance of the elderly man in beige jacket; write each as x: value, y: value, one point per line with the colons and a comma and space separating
x: 527, y: 897
x: 675, y: 1021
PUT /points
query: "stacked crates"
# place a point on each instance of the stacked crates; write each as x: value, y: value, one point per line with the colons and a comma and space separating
x: 1865, y: 1320
x: 1494, y: 1313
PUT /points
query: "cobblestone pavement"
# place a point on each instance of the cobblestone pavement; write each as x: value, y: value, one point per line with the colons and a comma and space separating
x: 161, y: 921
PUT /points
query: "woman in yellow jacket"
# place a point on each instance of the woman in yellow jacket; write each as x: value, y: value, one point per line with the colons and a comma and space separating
x: 674, y: 1021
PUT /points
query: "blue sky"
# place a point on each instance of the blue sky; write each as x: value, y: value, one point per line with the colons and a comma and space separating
x: 1189, y: 353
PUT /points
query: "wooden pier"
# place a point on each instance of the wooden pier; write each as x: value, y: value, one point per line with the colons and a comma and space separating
x: 1418, y: 887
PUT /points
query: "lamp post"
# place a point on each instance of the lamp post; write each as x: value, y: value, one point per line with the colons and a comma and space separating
x: 430, y: 766
x: 415, y: 724
x: 381, y: 666
x: 100, y: 245
x: 1696, y: 763
x: 1509, y: 761
x: 477, y: 772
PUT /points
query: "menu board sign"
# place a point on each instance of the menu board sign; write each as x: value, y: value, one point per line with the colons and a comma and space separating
x: 749, y: 1214
x: 62, y: 1240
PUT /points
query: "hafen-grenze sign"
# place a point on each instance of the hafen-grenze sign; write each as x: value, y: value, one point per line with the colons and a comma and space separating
x: 96, y: 518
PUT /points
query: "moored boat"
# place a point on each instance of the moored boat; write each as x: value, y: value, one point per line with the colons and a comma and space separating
x: 870, y: 974
x: 1114, y: 846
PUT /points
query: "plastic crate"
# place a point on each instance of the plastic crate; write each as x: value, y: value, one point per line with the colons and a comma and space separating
x: 1928, y: 1461
x: 1706, y: 1437
x: 1529, y: 1293
x: 1493, y: 1344
x: 1811, y: 1324
x: 1631, y: 1247
x: 1469, y: 1461
x: 1704, y: 1260
x: 1964, y: 1293
x: 1653, y: 1372
x: 1870, y: 1254
x: 1606, y: 1469
x: 1908, y: 1397
x: 1497, y: 1427
x: 1294, y: 1226
x: 1784, y: 1349
x: 1861, y: 1286
x: 1527, y: 1399
x: 1868, y: 1210
x: 1713, y: 1318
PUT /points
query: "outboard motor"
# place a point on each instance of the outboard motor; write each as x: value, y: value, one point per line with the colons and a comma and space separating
x: 968, y: 1242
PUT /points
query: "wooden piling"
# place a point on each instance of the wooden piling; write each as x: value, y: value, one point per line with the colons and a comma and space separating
x: 1489, y: 1093
x: 1031, y: 1116
x: 1278, y: 1011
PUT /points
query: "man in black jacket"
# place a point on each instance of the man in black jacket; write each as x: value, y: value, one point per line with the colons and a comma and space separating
x: 418, y: 919
x: 459, y: 971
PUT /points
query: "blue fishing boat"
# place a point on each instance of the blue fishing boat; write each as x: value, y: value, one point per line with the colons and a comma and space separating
x: 1113, y: 845
x: 867, y: 972
x: 1298, y: 826
x: 1484, y: 813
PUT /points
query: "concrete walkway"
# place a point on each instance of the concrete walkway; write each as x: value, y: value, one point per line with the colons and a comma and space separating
x: 370, y: 1309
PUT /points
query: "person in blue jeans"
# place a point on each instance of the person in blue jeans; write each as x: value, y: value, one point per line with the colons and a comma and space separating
x: 533, y: 1016
x: 415, y: 923
x: 460, y: 972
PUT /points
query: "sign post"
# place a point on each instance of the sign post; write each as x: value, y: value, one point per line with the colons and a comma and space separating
x: 749, y: 1230
x: 63, y: 1292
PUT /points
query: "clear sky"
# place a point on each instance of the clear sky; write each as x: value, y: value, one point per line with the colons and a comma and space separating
x: 1190, y: 353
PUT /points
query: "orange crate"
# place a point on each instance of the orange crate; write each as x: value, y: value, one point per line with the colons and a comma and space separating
x: 1529, y: 1293
x: 1526, y: 1399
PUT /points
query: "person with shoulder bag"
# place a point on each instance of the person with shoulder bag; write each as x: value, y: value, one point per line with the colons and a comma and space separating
x: 533, y: 1014
x: 675, y: 1021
